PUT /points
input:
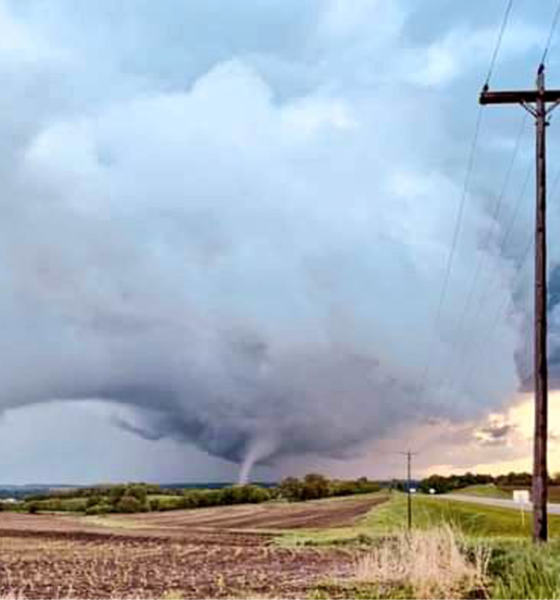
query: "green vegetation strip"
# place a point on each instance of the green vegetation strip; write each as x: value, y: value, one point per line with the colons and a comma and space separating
x: 489, y: 490
x: 473, y: 520
x: 515, y: 568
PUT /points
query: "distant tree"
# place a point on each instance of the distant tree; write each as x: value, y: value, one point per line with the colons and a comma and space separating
x: 192, y: 499
x: 138, y: 491
x: 255, y: 494
x: 129, y: 504
x: 291, y: 488
x: 439, y: 483
x: 102, y: 508
x: 93, y: 500
x: 32, y: 507
x: 116, y: 492
x: 315, y: 486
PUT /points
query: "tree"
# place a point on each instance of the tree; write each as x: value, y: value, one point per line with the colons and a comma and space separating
x: 315, y: 486
x: 291, y: 488
x: 128, y: 504
x: 256, y: 494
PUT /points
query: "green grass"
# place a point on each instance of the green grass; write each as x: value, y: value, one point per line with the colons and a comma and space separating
x: 164, y: 496
x: 519, y: 569
x: 484, y: 491
x: 473, y: 520
x: 516, y: 569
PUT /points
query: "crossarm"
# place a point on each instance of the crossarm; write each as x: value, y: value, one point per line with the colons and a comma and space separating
x: 520, y: 97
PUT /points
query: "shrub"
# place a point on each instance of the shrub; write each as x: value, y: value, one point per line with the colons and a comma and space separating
x: 166, y: 503
x: 116, y: 492
x: 315, y: 486
x: 138, y: 491
x: 255, y: 494
x: 99, y: 509
x: 69, y: 505
x: 291, y: 488
x: 92, y: 501
x: 128, y: 504
x: 192, y: 499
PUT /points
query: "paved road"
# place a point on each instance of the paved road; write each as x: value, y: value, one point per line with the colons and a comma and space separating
x: 553, y: 509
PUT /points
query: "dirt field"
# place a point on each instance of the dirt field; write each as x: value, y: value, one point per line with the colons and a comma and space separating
x: 216, y: 552
x: 268, y: 517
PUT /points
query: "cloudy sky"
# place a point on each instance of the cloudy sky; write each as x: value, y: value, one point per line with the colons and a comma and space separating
x: 225, y: 226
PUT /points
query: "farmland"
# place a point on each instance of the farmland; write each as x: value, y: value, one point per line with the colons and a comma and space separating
x: 329, y: 548
x: 218, y: 552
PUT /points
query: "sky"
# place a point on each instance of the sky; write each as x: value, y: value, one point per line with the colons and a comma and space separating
x: 225, y: 228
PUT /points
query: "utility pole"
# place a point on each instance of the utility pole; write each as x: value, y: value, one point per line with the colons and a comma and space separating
x: 535, y: 102
x: 409, y: 456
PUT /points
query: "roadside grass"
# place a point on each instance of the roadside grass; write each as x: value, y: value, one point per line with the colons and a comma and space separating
x: 553, y: 491
x: 389, y: 518
x: 521, y: 569
x: 442, y: 563
x: 489, y: 490
x: 417, y: 564
x: 474, y: 520
x: 455, y: 550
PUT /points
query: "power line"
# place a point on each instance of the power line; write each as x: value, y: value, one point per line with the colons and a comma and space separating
x: 456, y: 231
x: 498, y: 43
x: 500, y: 314
x: 484, y: 297
x: 515, y: 212
x: 546, y: 49
x: 482, y: 256
x: 544, y: 57
x: 504, y: 307
x: 466, y: 185
x: 551, y: 35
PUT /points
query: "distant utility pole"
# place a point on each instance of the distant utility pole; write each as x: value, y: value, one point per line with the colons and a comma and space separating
x: 535, y: 102
x: 409, y: 456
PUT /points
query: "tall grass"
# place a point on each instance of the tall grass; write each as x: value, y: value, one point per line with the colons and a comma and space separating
x: 425, y: 564
x: 523, y: 570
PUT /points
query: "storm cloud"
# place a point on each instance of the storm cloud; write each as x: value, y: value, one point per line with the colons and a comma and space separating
x: 235, y: 219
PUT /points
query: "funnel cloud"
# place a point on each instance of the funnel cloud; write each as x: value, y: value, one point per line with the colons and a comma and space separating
x: 239, y: 233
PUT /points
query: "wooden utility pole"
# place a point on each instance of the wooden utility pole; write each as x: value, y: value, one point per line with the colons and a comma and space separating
x: 535, y: 102
x: 409, y: 455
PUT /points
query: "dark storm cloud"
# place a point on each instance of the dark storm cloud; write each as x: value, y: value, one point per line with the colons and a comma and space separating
x: 495, y: 434
x: 235, y: 220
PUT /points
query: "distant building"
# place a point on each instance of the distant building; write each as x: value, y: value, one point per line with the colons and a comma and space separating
x: 9, y: 500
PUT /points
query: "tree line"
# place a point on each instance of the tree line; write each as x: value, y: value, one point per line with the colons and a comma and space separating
x: 443, y: 484
x: 142, y: 497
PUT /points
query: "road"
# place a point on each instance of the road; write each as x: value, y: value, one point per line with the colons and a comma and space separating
x: 553, y: 509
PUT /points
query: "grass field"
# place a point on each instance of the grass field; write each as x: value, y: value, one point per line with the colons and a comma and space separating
x: 457, y: 550
x: 391, y: 517
x: 489, y: 490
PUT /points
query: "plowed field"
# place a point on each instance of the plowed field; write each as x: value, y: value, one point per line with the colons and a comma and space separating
x: 219, y: 552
